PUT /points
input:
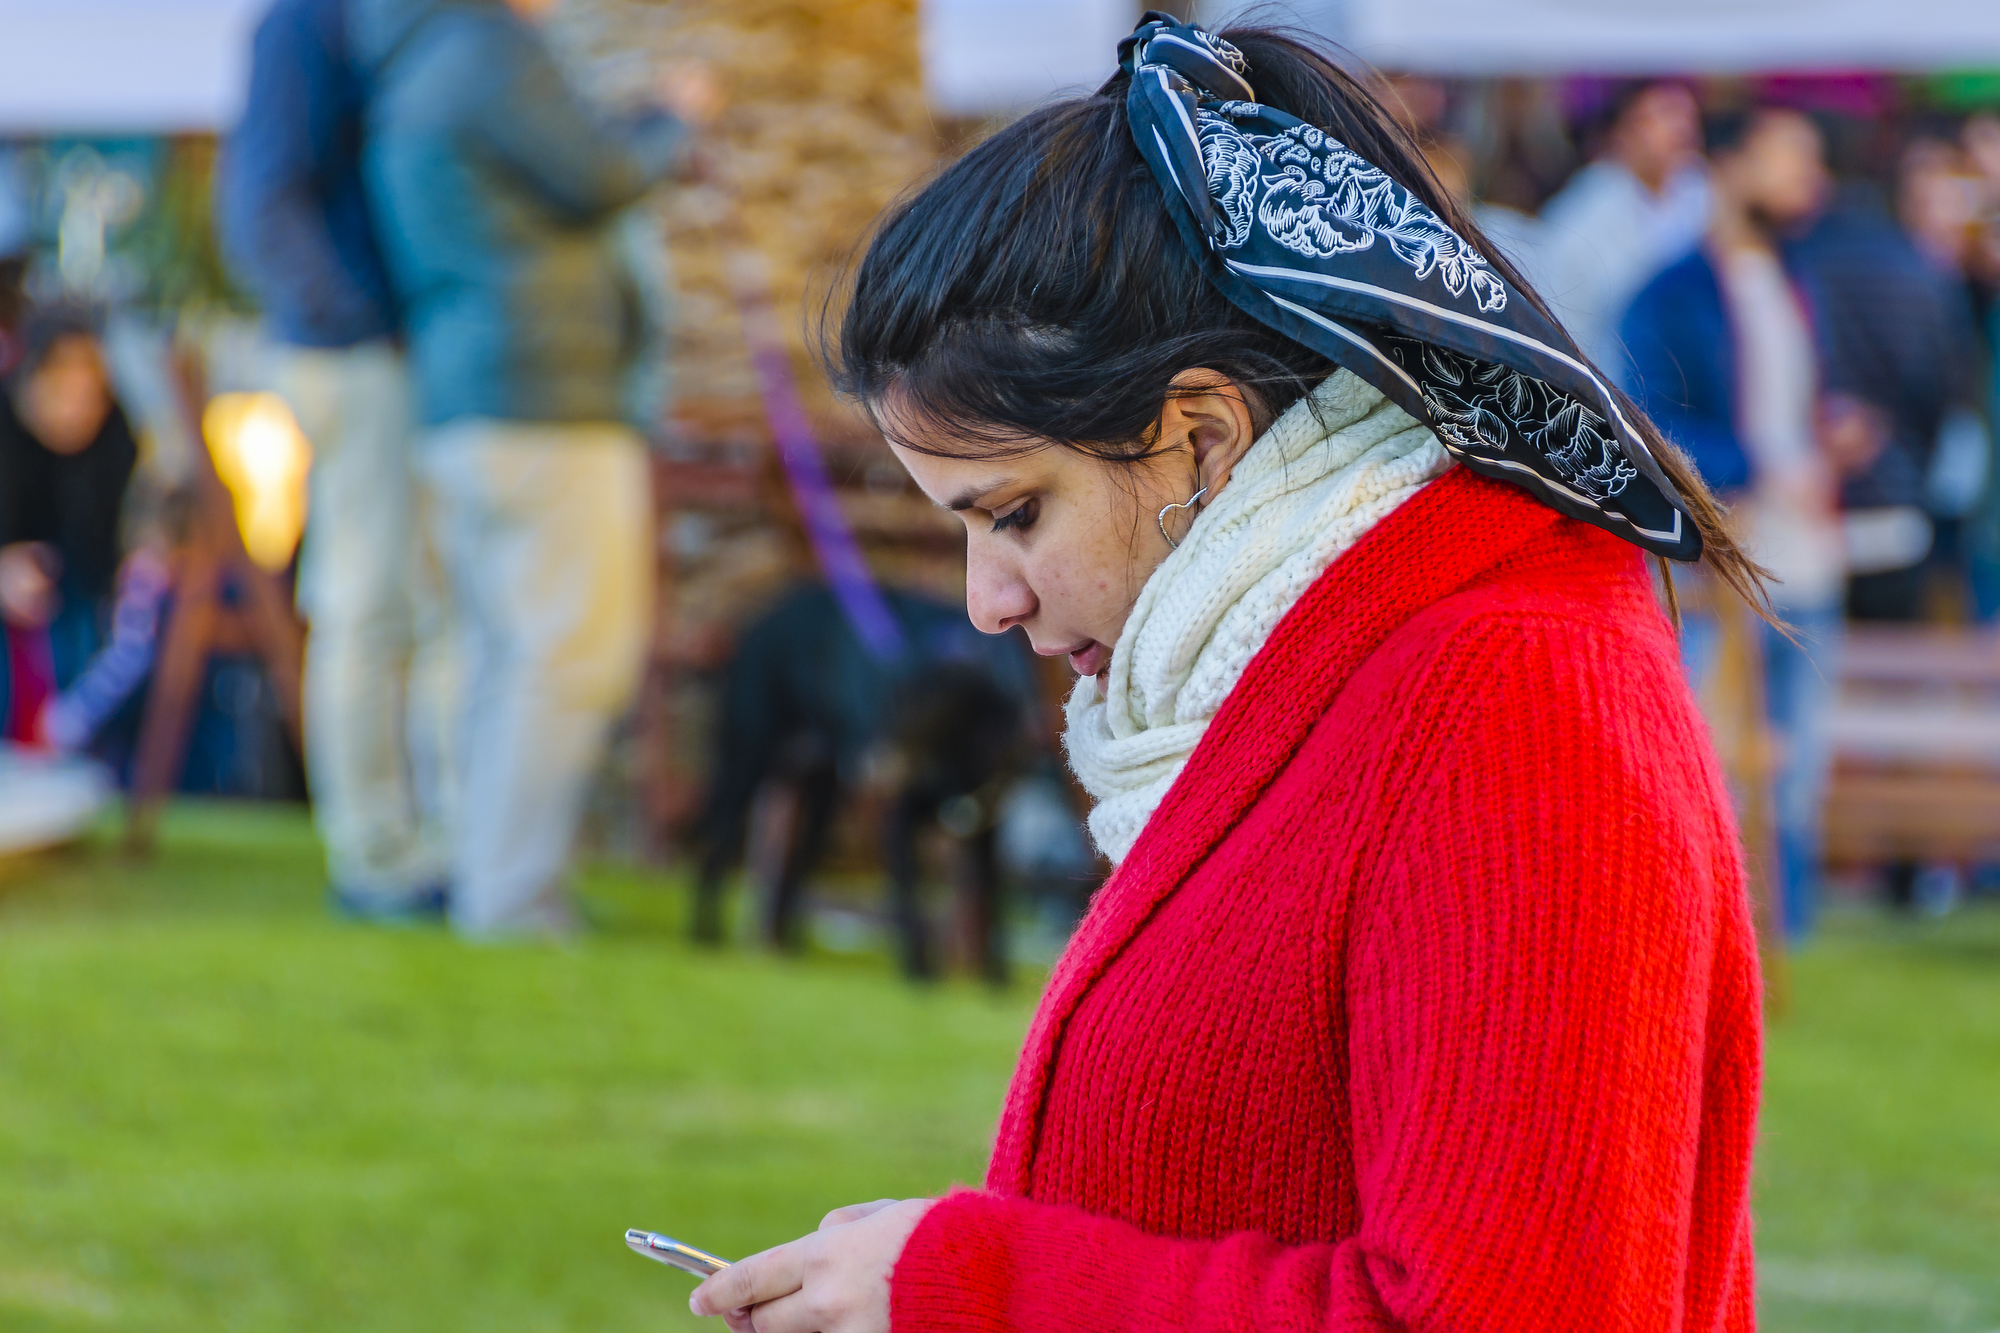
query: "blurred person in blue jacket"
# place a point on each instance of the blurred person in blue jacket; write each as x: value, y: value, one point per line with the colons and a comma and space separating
x: 1727, y: 354
x: 1939, y: 196
x: 497, y: 190
x: 296, y: 227
x: 1981, y: 257
x: 1903, y: 336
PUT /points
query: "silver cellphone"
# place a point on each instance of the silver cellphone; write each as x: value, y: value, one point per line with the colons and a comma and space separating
x: 674, y: 1254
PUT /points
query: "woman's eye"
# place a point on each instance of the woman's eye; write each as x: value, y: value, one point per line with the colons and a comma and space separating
x: 1020, y: 518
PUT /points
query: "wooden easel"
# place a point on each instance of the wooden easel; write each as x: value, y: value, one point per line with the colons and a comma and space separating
x: 202, y: 621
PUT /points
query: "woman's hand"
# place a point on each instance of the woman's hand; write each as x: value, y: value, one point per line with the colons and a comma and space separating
x: 833, y: 1281
x: 692, y: 91
x: 28, y: 584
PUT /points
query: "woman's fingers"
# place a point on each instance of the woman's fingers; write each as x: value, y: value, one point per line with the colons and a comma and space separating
x: 833, y: 1281
x: 761, y: 1277
x: 788, y: 1314
x: 854, y: 1212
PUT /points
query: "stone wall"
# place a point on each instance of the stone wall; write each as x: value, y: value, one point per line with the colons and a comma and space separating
x: 826, y: 124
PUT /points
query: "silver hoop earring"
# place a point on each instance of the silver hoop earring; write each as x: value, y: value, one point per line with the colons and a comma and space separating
x: 1188, y: 503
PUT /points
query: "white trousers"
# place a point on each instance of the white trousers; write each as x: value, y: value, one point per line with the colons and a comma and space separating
x: 377, y: 655
x: 546, y: 535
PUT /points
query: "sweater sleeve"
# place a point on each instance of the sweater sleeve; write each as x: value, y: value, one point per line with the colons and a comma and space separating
x: 1526, y: 983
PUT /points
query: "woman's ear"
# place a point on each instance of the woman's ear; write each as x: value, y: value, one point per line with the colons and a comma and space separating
x: 1210, y: 415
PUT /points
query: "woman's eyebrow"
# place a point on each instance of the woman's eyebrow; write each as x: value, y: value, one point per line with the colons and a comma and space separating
x: 970, y: 497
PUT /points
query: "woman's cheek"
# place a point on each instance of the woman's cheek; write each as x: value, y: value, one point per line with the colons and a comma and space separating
x: 1071, y: 593
x: 1043, y: 576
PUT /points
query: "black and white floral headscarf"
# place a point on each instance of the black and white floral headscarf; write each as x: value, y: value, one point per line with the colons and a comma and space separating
x: 1301, y: 232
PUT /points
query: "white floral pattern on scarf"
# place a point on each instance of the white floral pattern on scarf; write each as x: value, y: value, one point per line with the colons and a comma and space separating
x: 1317, y: 197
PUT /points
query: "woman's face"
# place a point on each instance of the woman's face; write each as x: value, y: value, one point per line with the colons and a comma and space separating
x: 1060, y: 543
x: 1779, y: 172
x: 67, y: 398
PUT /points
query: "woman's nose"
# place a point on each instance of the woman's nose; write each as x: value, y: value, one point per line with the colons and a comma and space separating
x: 997, y: 598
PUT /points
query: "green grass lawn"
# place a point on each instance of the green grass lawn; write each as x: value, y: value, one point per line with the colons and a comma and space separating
x: 219, y: 1110
x: 1879, y: 1168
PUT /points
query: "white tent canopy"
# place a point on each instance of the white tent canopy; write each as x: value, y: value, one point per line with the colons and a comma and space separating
x: 984, y: 57
x: 122, y: 66
x: 148, y: 66
x: 989, y: 56
x: 1645, y: 36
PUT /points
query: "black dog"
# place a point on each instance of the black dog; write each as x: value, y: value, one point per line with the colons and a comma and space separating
x: 806, y: 709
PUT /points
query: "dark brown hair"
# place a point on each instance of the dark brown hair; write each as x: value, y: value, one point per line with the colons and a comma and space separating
x: 1038, y: 288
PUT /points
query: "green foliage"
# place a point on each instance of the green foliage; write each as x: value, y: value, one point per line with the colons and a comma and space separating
x: 220, y: 1111
x: 173, y: 244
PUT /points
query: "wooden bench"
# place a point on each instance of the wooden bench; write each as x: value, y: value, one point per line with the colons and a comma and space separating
x: 1916, y: 739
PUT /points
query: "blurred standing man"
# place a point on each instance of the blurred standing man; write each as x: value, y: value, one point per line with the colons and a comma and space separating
x: 497, y: 190
x: 297, y: 229
x: 1639, y: 205
x: 1902, y: 337
x: 1726, y: 356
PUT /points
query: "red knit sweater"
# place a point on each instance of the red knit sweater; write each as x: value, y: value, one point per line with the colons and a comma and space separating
x: 1427, y: 1000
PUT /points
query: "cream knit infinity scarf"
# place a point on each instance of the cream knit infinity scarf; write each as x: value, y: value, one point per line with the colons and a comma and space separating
x: 1306, y: 491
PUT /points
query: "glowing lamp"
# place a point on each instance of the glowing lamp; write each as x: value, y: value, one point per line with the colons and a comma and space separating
x: 262, y: 457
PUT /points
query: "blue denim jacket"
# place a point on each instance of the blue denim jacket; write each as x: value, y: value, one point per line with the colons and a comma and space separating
x: 497, y: 190
x: 292, y: 208
x: 1681, y: 364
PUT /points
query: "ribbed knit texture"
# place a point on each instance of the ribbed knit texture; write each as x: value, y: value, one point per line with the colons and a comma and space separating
x: 1427, y: 1001
x: 1329, y: 468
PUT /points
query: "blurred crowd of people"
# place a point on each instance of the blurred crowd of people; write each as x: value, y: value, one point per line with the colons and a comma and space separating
x: 435, y: 226
x: 428, y: 215
x: 461, y: 305
x: 427, y: 212
x: 1819, y: 338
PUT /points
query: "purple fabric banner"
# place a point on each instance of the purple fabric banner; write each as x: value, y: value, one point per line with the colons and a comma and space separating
x: 833, y: 544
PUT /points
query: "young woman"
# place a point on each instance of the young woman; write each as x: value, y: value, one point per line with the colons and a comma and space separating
x: 1424, y: 995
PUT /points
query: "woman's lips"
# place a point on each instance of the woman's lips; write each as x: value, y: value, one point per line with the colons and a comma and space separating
x: 1090, y: 659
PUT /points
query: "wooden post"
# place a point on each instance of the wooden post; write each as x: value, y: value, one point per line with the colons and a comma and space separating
x: 1732, y: 697
x: 200, y: 621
